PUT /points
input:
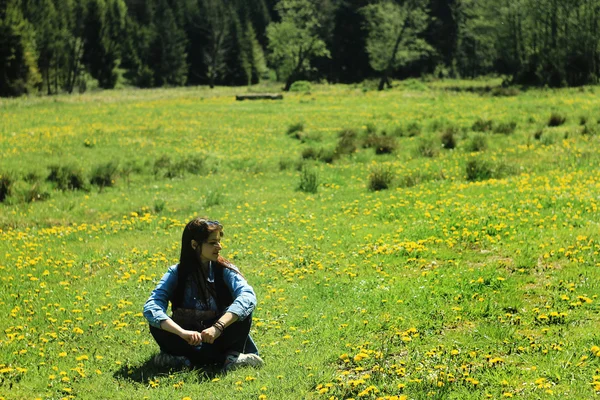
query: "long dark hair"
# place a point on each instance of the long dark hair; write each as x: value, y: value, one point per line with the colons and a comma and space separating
x: 198, y: 229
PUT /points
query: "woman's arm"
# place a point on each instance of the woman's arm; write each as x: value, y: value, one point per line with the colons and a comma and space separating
x: 193, y: 338
x: 210, y: 334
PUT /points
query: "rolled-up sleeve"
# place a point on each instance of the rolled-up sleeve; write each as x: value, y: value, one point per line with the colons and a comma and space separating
x: 155, y: 308
x: 244, y: 298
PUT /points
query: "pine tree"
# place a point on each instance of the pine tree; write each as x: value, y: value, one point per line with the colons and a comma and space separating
x: 18, y: 64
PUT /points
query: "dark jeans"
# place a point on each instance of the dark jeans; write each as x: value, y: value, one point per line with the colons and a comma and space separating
x: 233, y: 338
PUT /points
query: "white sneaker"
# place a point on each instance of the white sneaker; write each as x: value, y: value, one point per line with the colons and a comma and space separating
x: 166, y: 360
x: 233, y: 362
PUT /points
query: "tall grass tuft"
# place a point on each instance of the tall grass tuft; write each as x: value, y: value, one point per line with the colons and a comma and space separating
x: 479, y: 169
x: 448, y: 138
x: 104, y: 175
x: 428, y: 147
x: 6, y: 182
x: 309, y: 180
x: 482, y: 125
x: 506, y: 128
x: 556, y: 119
x: 296, y: 129
x: 66, y: 177
x: 346, y: 142
x: 380, y: 178
x: 477, y: 142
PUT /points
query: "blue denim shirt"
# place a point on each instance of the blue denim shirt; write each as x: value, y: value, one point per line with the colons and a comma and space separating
x: 244, y: 299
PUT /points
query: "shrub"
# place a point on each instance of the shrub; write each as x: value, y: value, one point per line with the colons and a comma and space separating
x: 66, y: 177
x: 477, y: 142
x: 506, y: 128
x: 346, y: 143
x: 482, y: 125
x: 309, y: 181
x: 6, y: 182
x: 300, y: 86
x: 428, y: 147
x: 104, y: 175
x: 479, y: 169
x: 556, y: 119
x: 447, y: 138
x: 380, y: 178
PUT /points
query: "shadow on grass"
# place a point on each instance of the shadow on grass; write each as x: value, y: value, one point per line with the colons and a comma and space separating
x: 148, y: 371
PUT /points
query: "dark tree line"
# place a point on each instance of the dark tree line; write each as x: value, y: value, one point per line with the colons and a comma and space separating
x: 54, y: 46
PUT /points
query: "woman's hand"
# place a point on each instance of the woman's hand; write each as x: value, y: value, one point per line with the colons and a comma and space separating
x: 209, y: 335
x: 193, y: 338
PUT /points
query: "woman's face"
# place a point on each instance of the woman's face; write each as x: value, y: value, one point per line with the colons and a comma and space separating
x: 209, y: 250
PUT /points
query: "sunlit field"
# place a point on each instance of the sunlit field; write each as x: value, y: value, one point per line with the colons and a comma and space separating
x: 434, y: 241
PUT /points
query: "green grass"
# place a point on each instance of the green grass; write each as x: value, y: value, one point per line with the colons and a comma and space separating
x: 437, y: 287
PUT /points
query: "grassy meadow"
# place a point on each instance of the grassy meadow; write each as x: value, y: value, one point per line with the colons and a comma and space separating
x: 433, y: 241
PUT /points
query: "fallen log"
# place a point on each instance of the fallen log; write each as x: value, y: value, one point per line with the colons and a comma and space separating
x: 259, y: 96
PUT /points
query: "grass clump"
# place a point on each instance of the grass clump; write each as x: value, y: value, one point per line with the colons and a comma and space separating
x: 309, y: 180
x: 380, y: 178
x: 482, y: 125
x: 381, y: 143
x: 104, y: 175
x: 428, y: 147
x: 506, y: 128
x: 6, y: 182
x: 448, y: 138
x: 556, y: 119
x: 66, y: 177
x: 301, y: 86
x: 479, y: 169
x: 35, y: 193
x: 296, y: 130
x: 346, y: 142
x: 411, y: 130
x: 477, y: 142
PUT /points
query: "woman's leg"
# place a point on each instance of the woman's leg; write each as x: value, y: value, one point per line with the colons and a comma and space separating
x: 170, y: 343
x: 234, y: 338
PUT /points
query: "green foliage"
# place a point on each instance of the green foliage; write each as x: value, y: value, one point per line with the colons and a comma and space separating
x: 309, y: 180
x: 479, y: 169
x: 66, y: 177
x: 104, y: 175
x: 295, y: 129
x: 394, y: 35
x: 18, y: 57
x: 6, y: 183
x: 556, y: 119
x: 300, y: 86
x: 482, y: 125
x: 347, y: 142
x: 380, y: 178
x: 506, y: 128
x: 448, y: 138
x: 476, y: 142
x: 296, y: 40
x: 428, y: 146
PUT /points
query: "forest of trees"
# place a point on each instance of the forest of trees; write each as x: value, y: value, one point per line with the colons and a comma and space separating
x: 58, y: 46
